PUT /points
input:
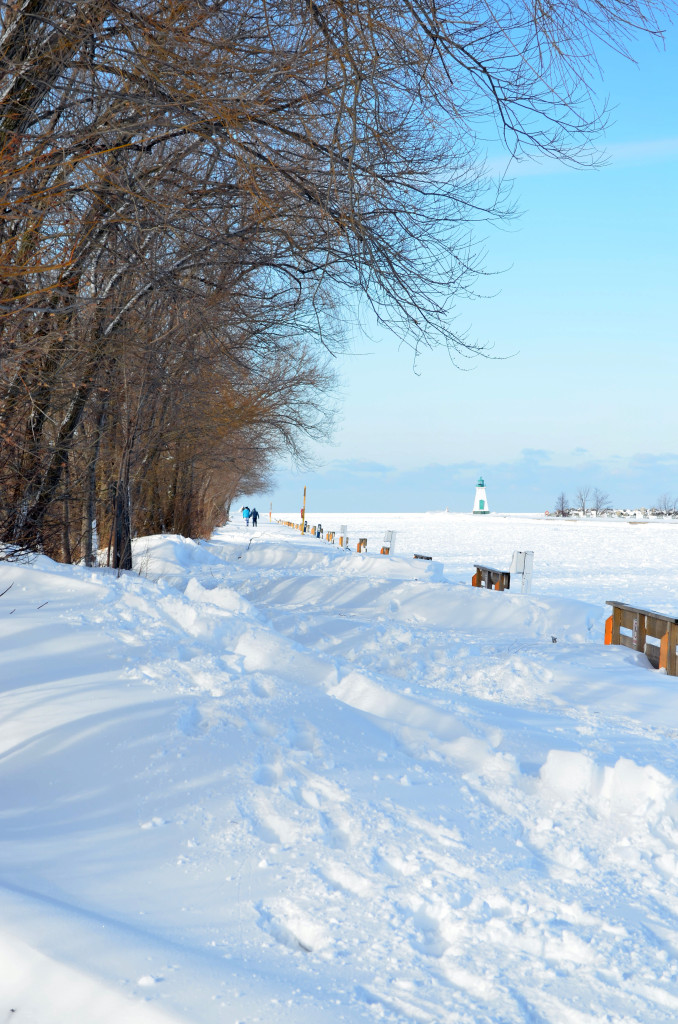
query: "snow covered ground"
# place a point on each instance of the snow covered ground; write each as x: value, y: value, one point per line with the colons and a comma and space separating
x: 268, y: 780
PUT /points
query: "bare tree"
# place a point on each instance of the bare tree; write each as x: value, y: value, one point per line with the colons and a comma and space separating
x: 582, y: 498
x: 600, y: 501
x: 562, y: 505
x: 186, y: 186
x: 666, y: 505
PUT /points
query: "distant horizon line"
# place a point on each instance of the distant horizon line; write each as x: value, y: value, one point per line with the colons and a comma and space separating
x: 627, y: 511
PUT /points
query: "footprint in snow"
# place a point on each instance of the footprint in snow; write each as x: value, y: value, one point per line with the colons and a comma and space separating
x: 289, y: 925
x: 267, y: 775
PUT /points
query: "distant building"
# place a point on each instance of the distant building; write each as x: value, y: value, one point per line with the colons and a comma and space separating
x: 480, y: 505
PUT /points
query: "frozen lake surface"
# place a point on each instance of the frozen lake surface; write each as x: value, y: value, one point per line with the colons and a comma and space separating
x: 590, y: 559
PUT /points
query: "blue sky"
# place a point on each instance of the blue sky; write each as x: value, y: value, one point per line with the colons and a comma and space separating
x: 584, y: 321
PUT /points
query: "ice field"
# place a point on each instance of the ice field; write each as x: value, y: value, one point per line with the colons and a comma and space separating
x: 268, y: 780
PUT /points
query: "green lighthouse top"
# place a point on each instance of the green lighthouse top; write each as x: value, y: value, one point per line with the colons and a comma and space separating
x: 481, y: 482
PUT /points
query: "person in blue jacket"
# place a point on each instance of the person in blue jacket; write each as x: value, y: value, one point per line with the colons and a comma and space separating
x: 254, y: 515
x: 246, y: 515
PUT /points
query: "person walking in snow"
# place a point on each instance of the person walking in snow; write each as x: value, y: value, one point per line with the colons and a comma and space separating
x: 246, y: 515
x: 254, y: 515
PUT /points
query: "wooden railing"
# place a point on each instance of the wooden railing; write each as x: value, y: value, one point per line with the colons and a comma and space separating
x: 642, y: 624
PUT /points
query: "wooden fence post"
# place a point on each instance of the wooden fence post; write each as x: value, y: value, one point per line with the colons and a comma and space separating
x: 671, y: 637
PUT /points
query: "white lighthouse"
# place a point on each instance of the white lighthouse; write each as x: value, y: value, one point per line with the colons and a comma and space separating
x: 480, y: 506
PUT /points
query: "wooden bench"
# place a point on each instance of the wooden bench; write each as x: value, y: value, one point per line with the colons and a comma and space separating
x: 500, y: 579
x: 361, y: 545
x: 643, y: 624
x: 493, y: 579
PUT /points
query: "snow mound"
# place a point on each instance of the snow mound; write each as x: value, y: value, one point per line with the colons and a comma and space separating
x: 265, y: 779
x: 624, y: 788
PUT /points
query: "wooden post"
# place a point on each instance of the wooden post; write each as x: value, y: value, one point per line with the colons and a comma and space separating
x: 639, y: 632
x: 388, y: 544
x: 672, y: 634
x: 664, y: 650
x: 616, y: 625
x: 270, y: 511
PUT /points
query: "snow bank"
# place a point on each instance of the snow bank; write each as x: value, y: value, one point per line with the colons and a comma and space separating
x: 265, y: 779
x: 37, y: 988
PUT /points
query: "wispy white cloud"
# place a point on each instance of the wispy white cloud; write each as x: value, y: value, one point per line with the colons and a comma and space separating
x: 645, y: 151
x: 358, y: 466
x: 530, y: 482
x: 536, y: 455
x: 617, y: 154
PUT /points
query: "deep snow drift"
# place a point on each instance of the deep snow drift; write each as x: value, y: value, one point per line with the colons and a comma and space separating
x: 270, y: 780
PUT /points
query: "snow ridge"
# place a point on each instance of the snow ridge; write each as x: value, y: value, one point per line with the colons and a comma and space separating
x: 270, y: 780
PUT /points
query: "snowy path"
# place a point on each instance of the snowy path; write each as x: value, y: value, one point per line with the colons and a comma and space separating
x: 284, y: 783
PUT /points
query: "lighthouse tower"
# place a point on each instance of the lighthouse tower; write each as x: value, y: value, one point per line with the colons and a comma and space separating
x: 480, y: 506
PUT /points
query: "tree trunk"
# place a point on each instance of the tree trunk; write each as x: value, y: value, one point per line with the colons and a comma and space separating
x: 91, y: 505
x: 66, y: 552
x: 122, y: 526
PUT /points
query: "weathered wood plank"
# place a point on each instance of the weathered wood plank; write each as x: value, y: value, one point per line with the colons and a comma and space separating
x: 638, y: 625
x: 671, y: 659
x: 645, y: 611
x: 656, y: 627
x: 626, y: 617
x: 493, y: 579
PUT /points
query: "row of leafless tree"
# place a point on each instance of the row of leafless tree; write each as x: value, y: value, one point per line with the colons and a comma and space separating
x: 587, y: 499
x: 192, y: 192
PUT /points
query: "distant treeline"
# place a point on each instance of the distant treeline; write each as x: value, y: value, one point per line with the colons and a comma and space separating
x: 192, y: 194
x: 589, y: 499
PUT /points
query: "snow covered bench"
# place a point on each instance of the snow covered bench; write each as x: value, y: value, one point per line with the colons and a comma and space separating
x: 493, y: 579
x: 641, y: 625
x: 500, y: 579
